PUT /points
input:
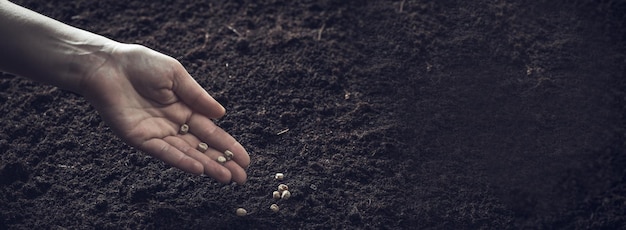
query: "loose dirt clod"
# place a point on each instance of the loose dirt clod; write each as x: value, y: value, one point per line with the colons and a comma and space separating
x: 279, y: 176
x: 274, y: 207
x: 184, y: 129
x: 221, y: 159
x: 241, y: 212
x: 203, y: 147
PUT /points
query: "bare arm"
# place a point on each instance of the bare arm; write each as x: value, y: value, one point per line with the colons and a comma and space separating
x: 143, y: 95
x: 46, y: 50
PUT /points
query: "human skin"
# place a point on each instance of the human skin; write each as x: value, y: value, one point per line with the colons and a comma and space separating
x: 143, y: 95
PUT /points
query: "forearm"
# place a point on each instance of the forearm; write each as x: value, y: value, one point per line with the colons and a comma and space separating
x: 46, y: 50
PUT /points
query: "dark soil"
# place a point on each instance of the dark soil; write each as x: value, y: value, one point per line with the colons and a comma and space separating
x: 406, y: 114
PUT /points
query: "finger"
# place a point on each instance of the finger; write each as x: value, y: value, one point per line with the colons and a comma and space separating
x: 172, y: 156
x: 238, y: 174
x: 211, y: 167
x: 192, y: 140
x: 204, y: 129
x: 198, y: 99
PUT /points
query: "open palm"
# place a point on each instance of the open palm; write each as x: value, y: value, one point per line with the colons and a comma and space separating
x: 146, y: 96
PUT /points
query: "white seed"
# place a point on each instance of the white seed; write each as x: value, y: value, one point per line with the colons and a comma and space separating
x: 286, y: 194
x: 276, y: 195
x: 221, y: 159
x: 279, y: 176
x: 282, y: 187
x: 203, y: 147
x: 184, y: 129
x: 241, y: 212
x: 274, y: 207
x: 228, y: 154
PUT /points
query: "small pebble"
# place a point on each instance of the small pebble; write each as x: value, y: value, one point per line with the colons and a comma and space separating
x: 203, y: 147
x: 241, y: 212
x: 184, y: 129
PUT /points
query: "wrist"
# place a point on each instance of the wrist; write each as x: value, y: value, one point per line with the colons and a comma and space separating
x: 84, y: 61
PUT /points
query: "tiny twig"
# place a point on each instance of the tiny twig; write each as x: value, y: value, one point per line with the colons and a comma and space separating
x: 319, y: 32
x: 402, y: 6
x: 206, y: 40
x: 282, y: 132
x: 234, y: 30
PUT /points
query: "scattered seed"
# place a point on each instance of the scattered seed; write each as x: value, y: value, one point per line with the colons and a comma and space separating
x: 276, y: 195
x: 228, y: 154
x: 184, y: 129
x: 286, y: 194
x: 221, y: 159
x: 279, y: 176
x: 241, y: 212
x: 282, y: 187
x: 274, y: 207
x: 203, y: 147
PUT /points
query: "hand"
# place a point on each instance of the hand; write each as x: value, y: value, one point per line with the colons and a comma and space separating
x: 146, y: 96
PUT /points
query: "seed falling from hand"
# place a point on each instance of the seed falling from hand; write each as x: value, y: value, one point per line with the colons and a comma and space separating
x: 279, y: 176
x: 285, y: 195
x: 276, y: 195
x: 228, y: 154
x: 221, y: 159
x: 274, y: 207
x: 184, y: 129
x: 282, y: 187
x: 203, y: 147
x: 241, y: 212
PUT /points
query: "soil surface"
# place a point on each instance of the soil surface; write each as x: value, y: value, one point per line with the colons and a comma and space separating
x: 406, y: 114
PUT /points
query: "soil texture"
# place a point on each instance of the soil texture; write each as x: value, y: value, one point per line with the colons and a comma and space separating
x: 405, y: 114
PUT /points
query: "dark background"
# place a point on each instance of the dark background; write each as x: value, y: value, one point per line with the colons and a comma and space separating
x: 402, y: 114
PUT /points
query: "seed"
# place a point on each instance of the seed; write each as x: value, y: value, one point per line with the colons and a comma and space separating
x: 221, y: 159
x: 274, y: 207
x: 203, y: 147
x: 286, y: 194
x: 184, y: 129
x: 282, y: 187
x: 279, y: 176
x: 228, y: 154
x: 276, y: 195
x: 241, y: 212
